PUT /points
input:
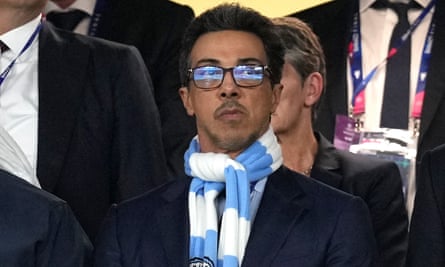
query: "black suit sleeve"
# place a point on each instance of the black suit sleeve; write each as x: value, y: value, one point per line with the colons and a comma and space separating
x: 66, y: 244
x: 427, y: 231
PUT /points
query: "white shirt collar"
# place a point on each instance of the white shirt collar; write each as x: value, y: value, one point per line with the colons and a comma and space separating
x: 13, y: 160
x: 84, y: 5
x: 17, y: 38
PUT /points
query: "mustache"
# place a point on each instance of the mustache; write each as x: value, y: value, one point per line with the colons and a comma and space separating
x: 230, y: 105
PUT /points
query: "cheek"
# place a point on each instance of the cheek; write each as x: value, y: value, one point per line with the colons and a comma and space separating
x: 282, y: 111
x: 263, y: 105
x: 203, y: 107
x: 189, y: 108
x: 284, y: 103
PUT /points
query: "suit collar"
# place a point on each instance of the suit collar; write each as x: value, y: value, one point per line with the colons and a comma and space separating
x: 176, y: 232
x: 435, y: 82
x: 327, y: 165
x: 327, y: 157
x: 17, y: 38
x: 435, y: 171
x: 62, y: 68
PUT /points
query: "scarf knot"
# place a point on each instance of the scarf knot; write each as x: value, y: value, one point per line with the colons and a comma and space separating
x: 212, y: 172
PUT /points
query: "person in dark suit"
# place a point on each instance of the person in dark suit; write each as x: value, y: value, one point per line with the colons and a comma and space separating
x: 268, y: 215
x: 93, y: 133
x: 155, y: 28
x: 377, y: 182
x: 427, y: 228
x: 37, y: 229
x: 332, y: 22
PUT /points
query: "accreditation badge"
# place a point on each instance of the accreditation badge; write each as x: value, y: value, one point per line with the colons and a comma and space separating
x: 399, y: 146
x: 346, y: 132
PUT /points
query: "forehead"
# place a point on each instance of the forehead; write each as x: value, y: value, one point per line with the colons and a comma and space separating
x: 228, y: 48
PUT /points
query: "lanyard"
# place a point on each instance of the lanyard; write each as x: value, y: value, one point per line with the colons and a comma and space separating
x: 420, y: 89
x: 28, y: 43
x: 355, y: 59
x: 96, y: 17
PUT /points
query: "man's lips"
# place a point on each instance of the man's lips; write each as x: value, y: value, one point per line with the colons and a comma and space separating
x: 230, y: 110
x: 230, y: 114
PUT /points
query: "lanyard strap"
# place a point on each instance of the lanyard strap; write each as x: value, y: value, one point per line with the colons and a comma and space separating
x: 96, y: 17
x: 421, y: 80
x: 355, y: 59
x: 28, y: 43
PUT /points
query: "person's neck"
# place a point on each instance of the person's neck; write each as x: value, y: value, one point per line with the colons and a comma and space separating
x: 63, y: 4
x: 400, y: 1
x: 14, y: 18
x: 299, y: 148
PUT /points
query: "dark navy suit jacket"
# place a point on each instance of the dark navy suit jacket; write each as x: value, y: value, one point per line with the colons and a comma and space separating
x: 38, y: 229
x: 300, y: 222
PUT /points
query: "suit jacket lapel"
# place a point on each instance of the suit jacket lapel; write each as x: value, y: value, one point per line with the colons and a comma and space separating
x: 176, y: 232
x: 282, y: 206
x: 327, y: 165
x: 435, y: 83
x: 62, y: 75
x: 437, y: 175
x: 106, y: 22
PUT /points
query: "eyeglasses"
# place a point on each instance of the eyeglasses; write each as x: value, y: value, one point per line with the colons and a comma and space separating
x: 209, y: 77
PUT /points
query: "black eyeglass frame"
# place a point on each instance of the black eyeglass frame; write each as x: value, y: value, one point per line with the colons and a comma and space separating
x: 265, y: 68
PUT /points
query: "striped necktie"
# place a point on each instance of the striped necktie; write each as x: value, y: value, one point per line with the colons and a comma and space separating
x: 396, y: 95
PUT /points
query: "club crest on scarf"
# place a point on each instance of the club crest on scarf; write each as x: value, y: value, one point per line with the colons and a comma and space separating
x: 212, y: 173
x: 197, y: 262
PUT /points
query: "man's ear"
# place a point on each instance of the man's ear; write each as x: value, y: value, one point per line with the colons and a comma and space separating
x: 185, y: 97
x: 276, y: 94
x: 314, y: 88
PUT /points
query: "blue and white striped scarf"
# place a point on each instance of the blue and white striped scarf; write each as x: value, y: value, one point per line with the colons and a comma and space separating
x: 212, y: 173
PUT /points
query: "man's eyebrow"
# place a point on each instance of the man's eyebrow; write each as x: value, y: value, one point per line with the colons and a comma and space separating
x: 207, y: 61
x: 216, y: 62
x: 250, y: 60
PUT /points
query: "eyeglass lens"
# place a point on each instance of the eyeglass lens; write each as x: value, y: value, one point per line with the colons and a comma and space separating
x: 213, y: 76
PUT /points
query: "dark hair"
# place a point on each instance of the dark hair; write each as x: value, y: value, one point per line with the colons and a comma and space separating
x: 302, y: 49
x: 233, y: 17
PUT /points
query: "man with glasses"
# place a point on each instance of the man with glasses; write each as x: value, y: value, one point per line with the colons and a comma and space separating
x: 240, y: 206
x: 209, y: 77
